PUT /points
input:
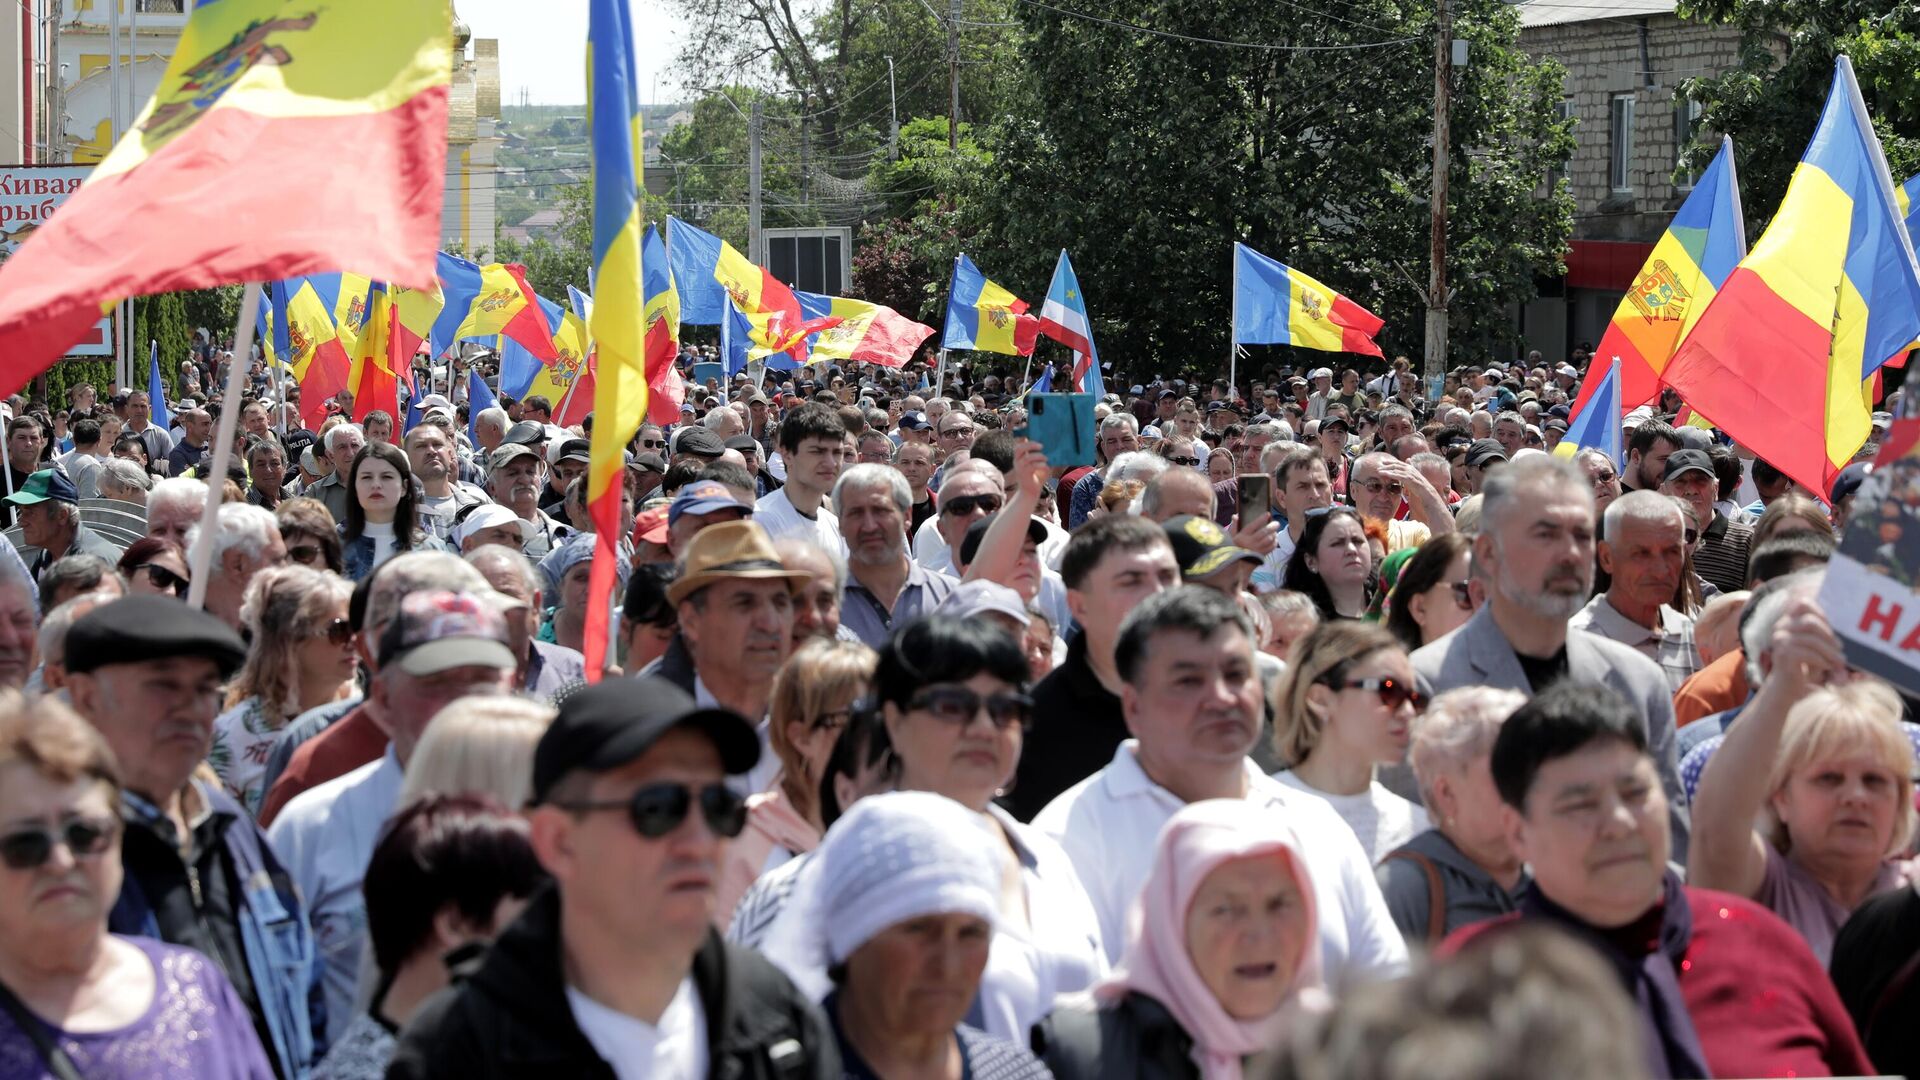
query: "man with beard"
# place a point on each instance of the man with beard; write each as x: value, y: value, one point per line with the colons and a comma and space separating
x: 1536, y: 551
x: 885, y: 587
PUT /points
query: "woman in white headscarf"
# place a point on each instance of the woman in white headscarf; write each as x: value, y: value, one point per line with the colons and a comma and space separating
x: 889, y: 927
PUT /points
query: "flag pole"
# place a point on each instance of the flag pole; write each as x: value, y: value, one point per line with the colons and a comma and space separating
x: 200, y: 559
x: 6, y: 459
x: 1233, y: 329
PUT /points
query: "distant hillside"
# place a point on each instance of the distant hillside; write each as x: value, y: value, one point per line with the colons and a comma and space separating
x: 546, y: 150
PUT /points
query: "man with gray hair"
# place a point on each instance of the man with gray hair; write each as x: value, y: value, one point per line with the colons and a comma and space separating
x: 335, y: 490
x: 174, y: 506
x: 47, y: 509
x: 124, y: 481
x: 1644, y: 551
x: 1536, y: 551
x: 1119, y: 433
x: 490, y: 430
x: 247, y: 543
x: 545, y: 666
x: 885, y: 586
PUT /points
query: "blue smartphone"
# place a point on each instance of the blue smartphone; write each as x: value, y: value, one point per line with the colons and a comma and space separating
x: 1063, y: 426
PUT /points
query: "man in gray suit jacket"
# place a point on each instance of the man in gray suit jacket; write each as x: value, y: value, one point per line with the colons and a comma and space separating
x: 1535, y: 551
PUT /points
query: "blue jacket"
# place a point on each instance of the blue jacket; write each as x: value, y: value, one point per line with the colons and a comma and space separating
x: 356, y: 555
x: 282, y: 961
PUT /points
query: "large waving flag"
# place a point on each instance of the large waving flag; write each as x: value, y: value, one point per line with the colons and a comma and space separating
x: 1063, y: 317
x: 694, y: 255
x: 1784, y: 359
x: 414, y: 313
x: 984, y: 316
x: 1693, y: 258
x: 375, y: 376
x: 866, y: 333
x: 460, y: 283
x: 303, y: 337
x: 198, y: 192
x: 562, y: 382
x: 505, y: 304
x: 772, y: 311
x: 619, y: 321
x: 1274, y: 304
x: 1596, y: 423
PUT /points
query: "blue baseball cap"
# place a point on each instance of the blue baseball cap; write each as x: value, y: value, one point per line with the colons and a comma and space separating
x: 704, y: 497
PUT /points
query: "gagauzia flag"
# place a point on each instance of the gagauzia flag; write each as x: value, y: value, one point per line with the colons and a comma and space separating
x: 1063, y: 317
x: 198, y: 192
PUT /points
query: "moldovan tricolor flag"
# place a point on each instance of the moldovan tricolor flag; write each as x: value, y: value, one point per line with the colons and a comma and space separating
x: 1784, y: 359
x: 866, y: 333
x: 199, y: 191
x: 1063, y: 317
x: 1595, y: 424
x: 1705, y: 241
x: 985, y: 316
x: 618, y: 321
x: 1274, y: 304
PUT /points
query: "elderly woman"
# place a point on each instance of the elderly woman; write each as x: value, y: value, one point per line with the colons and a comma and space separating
x: 155, y: 566
x: 1220, y: 959
x: 1345, y: 707
x: 893, y: 920
x: 74, y: 999
x: 448, y: 874
x: 952, y: 693
x: 310, y: 533
x: 1822, y: 755
x: 123, y: 481
x: 813, y: 699
x: 1723, y: 987
x: 1461, y: 871
x: 301, y: 657
x: 478, y: 745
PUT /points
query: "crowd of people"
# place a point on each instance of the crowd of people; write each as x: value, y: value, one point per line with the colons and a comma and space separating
x: 1340, y: 727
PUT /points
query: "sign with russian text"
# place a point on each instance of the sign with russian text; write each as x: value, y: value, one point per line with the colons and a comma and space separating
x: 1870, y: 593
x: 29, y: 194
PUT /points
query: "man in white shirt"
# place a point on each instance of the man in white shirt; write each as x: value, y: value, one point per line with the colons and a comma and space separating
x: 1301, y: 483
x: 439, y: 647
x: 1192, y: 700
x: 616, y: 970
x: 812, y: 444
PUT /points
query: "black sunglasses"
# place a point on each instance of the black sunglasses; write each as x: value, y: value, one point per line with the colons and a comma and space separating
x: 305, y: 553
x: 1190, y: 462
x: 337, y: 632
x: 967, y: 504
x: 958, y: 705
x: 29, y: 849
x: 163, y: 578
x: 1393, y: 693
x: 654, y: 444
x: 658, y: 809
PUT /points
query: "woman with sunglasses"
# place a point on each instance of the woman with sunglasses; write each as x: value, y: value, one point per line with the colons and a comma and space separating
x: 952, y: 693
x: 813, y: 698
x: 1333, y: 563
x: 383, y: 517
x: 310, y: 533
x: 155, y: 565
x: 1345, y: 707
x: 74, y: 999
x: 1431, y: 598
x: 301, y: 657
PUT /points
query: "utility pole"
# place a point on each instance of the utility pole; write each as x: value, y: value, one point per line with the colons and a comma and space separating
x: 806, y: 105
x: 893, y: 107
x: 953, y: 75
x: 1436, y: 359
x: 756, y: 247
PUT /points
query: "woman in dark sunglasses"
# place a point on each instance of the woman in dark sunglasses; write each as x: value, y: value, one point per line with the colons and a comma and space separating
x: 301, y: 657
x: 308, y: 530
x: 1430, y: 599
x: 1344, y: 708
x: 76, y: 1000
x: 155, y: 565
x: 952, y: 693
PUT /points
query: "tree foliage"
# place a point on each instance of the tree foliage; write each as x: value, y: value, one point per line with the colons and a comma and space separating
x: 1771, y: 102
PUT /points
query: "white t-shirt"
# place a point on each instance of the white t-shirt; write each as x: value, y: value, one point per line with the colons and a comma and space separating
x: 777, y: 514
x: 676, y: 1047
x: 1381, y: 820
x: 382, y: 537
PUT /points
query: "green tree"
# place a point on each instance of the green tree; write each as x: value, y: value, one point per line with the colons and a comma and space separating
x: 932, y: 197
x: 1771, y: 102
x: 1147, y: 157
x: 162, y: 318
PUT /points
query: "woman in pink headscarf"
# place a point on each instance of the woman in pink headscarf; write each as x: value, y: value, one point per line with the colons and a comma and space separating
x: 1221, y: 957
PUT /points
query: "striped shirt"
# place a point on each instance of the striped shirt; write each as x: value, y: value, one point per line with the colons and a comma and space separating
x: 1721, y: 558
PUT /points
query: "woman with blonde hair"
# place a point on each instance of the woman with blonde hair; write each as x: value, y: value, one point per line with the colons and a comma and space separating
x: 1792, y: 512
x: 482, y: 745
x: 814, y: 695
x: 301, y: 657
x: 1345, y: 707
x: 1822, y: 753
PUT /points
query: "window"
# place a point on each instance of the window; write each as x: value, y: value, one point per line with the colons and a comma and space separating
x: 1686, y: 125
x: 1620, y: 165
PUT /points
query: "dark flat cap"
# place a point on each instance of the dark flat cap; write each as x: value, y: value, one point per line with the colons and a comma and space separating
x: 699, y: 442
x: 744, y: 444
x: 611, y: 723
x: 136, y: 628
x: 526, y: 433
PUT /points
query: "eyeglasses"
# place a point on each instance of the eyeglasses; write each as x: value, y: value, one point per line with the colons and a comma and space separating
x: 967, y: 504
x: 1602, y: 479
x: 958, y: 705
x: 163, y: 578
x: 1462, y: 595
x: 957, y: 433
x: 305, y: 553
x: 1693, y: 536
x: 1190, y: 462
x: 653, y: 444
x: 1393, y: 693
x: 1378, y: 487
x: 337, y: 632
x: 832, y: 721
x: 658, y: 809
x: 29, y: 849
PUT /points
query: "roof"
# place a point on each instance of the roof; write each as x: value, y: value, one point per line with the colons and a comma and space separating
x: 1559, y: 12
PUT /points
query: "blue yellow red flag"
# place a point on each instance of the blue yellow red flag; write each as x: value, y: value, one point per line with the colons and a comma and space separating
x: 1784, y: 358
x: 867, y: 333
x: 984, y: 316
x: 694, y: 255
x: 197, y: 192
x: 303, y: 337
x: 373, y: 379
x: 504, y: 304
x: 665, y: 392
x: 1595, y: 424
x: 619, y: 323
x: 1274, y: 304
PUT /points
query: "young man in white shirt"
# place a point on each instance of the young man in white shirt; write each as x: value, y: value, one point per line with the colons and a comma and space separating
x: 812, y: 443
x: 1192, y: 700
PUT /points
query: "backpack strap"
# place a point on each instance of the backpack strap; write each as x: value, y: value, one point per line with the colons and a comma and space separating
x: 35, y: 1029
x: 1436, y: 892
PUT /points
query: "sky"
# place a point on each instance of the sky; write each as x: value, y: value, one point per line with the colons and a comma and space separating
x: 543, y: 48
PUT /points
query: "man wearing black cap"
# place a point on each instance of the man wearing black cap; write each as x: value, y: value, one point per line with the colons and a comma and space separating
x: 617, y: 964
x: 146, y: 672
x: 755, y: 458
x: 566, y: 462
x: 1721, y: 555
x: 48, y: 509
x: 1482, y: 456
x: 515, y: 475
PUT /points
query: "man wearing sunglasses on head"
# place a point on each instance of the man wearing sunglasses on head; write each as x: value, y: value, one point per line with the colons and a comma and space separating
x: 146, y: 672
x: 617, y: 965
